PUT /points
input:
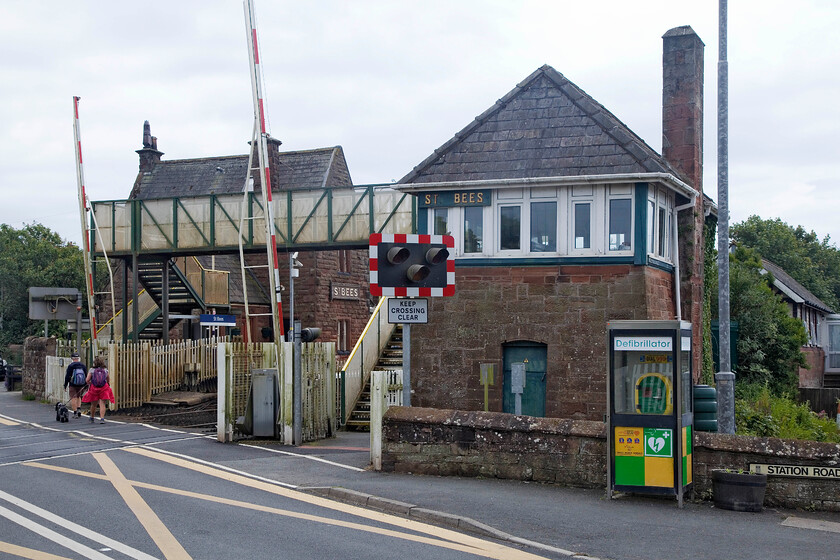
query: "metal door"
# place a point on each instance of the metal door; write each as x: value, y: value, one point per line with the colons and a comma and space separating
x: 534, y: 355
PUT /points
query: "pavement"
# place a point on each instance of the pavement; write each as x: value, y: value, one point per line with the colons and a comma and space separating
x: 550, y: 520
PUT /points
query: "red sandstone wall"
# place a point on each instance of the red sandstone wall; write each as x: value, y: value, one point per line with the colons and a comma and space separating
x: 813, y: 377
x: 566, y: 308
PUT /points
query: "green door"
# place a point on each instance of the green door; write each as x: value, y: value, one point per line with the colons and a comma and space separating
x: 533, y: 355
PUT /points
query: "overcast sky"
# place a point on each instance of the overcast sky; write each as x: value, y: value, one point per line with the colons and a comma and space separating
x: 391, y: 81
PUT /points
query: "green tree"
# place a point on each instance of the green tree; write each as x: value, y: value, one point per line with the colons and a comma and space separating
x: 814, y: 263
x: 32, y: 256
x: 769, y: 339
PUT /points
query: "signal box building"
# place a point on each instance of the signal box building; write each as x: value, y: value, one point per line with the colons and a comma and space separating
x: 563, y: 219
x: 331, y: 290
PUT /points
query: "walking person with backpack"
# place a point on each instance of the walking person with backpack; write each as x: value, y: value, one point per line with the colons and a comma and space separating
x: 100, y: 388
x: 76, y: 379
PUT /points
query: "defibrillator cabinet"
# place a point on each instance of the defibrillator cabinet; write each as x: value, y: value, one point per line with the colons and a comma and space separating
x: 649, y: 408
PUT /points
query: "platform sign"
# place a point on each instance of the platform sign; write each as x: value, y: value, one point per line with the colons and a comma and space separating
x: 208, y: 320
x: 415, y: 310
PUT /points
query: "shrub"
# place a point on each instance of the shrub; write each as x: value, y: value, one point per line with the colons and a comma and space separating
x: 760, y: 413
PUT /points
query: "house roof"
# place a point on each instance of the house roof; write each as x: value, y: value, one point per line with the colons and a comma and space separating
x: 795, y: 291
x: 312, y: 169
x: 545, y: 127
x: 298, y: 170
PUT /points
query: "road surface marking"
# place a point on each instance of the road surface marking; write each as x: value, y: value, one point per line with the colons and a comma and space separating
x: 222, y: 467
x: 165, y: 541
x: 74, y: 527
x: 478, y: 548
x: 473, y: 544
x: 48, y: 533
x: 28, y: 552
x: 816, y: 524
x: 6, y: 421
x: 303, y: 456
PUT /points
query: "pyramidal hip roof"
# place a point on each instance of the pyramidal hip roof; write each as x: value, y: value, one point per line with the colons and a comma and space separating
x: 545, y: 127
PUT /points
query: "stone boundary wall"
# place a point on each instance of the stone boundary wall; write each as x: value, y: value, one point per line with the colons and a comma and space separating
x: 35, y: 352
x: 573, y: 453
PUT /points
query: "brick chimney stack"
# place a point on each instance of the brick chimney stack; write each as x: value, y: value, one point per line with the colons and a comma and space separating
x: 682, y: 147
x: 149, y: 154
x: 273, y: 145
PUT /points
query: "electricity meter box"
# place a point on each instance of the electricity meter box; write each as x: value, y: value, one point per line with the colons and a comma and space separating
x: 649, y: 408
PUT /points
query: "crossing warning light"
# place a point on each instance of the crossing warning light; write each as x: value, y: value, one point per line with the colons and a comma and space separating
x: 309, y: 334
x: 411, y: 265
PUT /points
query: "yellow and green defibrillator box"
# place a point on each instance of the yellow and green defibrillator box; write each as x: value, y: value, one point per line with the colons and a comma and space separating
x: 649, y: 408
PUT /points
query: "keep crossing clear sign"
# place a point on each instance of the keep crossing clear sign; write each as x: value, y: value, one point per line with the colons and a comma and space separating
x: 414, y: 310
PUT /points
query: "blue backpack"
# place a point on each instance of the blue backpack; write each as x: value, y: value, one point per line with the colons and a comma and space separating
x: 98, y: 377
x: 77, y: 378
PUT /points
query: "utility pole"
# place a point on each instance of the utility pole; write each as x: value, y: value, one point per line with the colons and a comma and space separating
x: 724, y: 378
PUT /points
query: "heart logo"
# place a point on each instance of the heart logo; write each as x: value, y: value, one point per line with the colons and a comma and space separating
x: 656, y: 444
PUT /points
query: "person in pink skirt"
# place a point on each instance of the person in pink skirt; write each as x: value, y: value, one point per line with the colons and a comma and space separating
x: 100, y: 391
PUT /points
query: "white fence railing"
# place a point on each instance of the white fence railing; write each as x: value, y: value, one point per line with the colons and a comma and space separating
x: 385, y: 391
x: 54, y: 390
x: 363, y: 358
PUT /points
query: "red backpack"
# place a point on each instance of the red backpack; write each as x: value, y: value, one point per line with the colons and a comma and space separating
x: 98, y: 377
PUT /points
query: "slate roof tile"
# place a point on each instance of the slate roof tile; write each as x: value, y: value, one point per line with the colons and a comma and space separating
x: 545, y: 126
x: 800, y: 290
x: 308, y: 169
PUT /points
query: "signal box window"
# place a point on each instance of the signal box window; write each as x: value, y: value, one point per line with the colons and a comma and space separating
x: 441, y: 221
x: 473, y: 229
x: 582, y: 225
x: 543, y: 227
x: 509, y: 228
x: 620, y: 223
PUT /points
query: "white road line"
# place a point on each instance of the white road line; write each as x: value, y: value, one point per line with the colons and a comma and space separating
x: 220, y: 467
x: 815, y: 524
x: 66, y: 542
x: 302, y: 456
x: 75, y: 454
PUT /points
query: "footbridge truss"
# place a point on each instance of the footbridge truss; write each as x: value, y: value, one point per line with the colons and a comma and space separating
x: 304, y: 220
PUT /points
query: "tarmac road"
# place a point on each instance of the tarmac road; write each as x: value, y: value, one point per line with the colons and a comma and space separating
x: 555, y: 522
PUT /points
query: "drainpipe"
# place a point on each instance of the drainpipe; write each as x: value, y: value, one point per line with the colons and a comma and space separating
x: 676, y: 251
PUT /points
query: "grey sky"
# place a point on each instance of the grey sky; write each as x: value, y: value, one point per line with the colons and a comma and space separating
x: 392, y: 81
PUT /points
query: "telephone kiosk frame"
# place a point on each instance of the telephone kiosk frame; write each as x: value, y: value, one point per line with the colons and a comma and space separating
x: 650, y: 435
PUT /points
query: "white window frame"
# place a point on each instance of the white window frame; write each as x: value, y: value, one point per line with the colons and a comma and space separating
x: 619, y: 192
x: 594, y: 196
x: 558, y: 210
x: 522, y: 234
x: 597, y: 196
x: 661, y: 200
x: 455, y: 221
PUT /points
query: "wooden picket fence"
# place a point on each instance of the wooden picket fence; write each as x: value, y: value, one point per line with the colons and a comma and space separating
x: 140, y: 370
